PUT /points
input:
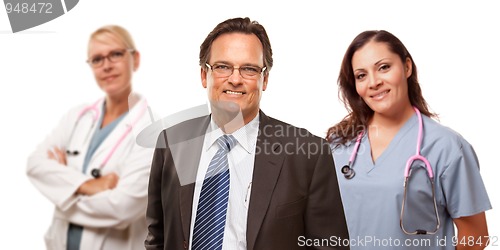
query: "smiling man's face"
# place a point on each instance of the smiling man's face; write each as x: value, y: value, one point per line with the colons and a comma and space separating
x: 236, y: 50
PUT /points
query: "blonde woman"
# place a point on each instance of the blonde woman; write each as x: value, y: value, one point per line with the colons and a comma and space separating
x: 90, y: 166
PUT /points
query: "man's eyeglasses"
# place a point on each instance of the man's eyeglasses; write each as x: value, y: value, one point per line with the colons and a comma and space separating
x: 113, y: 56
x: 247, y: 72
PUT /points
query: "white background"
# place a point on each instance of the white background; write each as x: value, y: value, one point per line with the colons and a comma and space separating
x: 43, y: 73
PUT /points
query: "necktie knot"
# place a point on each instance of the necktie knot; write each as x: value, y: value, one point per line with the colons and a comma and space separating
x: 226, y: 142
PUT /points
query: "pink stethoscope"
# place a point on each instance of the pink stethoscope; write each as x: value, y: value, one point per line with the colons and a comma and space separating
x: 96, y: 172
x: 349, y: 173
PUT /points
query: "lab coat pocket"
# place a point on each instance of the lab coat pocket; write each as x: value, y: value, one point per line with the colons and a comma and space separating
x: 291, y: 209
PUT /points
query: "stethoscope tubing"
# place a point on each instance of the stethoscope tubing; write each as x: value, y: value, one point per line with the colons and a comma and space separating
x: 349, y: 173
x: 417, y: 155
x: 96, y: 172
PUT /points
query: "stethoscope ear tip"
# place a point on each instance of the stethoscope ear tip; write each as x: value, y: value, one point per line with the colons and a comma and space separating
x: 72, y: 153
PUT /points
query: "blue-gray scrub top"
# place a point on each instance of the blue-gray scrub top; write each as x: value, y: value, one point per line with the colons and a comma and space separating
x: 372, y: 199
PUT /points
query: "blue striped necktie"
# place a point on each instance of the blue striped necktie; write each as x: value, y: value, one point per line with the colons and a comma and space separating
x: 210, y: 220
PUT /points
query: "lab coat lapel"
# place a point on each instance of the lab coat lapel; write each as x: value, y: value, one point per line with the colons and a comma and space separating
x: 106, y: 146
x: 84, y: 127
x: 268, y: 165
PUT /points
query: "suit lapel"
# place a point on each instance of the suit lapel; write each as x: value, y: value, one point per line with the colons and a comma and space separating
x: 267, y: 168
x: 188, y: 151
x: 186, y: 204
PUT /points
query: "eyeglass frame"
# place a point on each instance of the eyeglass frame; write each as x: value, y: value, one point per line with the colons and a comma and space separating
x: 262, y: 70
x: 108, y: 56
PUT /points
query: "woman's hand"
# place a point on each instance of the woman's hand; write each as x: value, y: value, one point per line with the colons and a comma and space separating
x: 94, y: 186
x: 58, y: 155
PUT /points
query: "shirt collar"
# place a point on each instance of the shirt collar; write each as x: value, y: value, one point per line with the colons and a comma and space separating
x: 246, y: 135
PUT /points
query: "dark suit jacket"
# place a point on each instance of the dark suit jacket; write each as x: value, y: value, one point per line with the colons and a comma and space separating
x: 294, y: 204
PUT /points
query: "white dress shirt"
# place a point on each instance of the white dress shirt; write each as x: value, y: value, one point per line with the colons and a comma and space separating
x: 241, y: 163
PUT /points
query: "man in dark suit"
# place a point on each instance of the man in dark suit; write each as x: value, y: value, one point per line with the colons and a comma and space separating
x: 238, y: 179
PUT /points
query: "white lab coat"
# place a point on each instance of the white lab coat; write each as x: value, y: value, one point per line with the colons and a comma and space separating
x: 113, y: 219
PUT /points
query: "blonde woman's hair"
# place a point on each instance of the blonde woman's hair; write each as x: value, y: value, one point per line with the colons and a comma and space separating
x: 118, y: 32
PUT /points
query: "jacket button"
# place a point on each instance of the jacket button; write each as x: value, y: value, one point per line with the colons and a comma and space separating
x: 185, y: 245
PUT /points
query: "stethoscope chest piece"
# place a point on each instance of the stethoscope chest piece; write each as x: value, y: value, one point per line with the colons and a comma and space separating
x: 348, y: 172
x: 96, y: 173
